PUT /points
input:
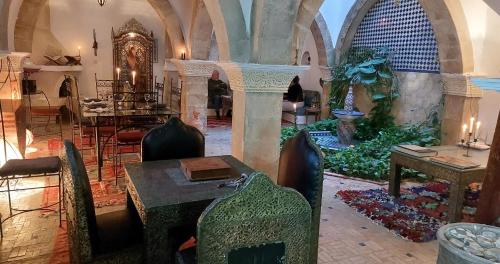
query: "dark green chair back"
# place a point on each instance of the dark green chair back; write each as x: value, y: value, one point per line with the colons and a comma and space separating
x: 80, y: 212
x: 301, y: 168
x: 261, y: 222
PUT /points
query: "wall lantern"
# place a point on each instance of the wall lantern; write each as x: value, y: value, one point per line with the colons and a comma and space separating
x: 101, y: 2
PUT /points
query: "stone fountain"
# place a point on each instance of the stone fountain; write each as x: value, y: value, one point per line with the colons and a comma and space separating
x: 346, y: 116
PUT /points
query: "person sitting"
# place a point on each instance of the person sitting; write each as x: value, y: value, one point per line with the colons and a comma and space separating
x: 216, y: 89
x: 294, y: 96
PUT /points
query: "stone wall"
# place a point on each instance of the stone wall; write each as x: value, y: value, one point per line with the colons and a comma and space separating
x: 421, y: 94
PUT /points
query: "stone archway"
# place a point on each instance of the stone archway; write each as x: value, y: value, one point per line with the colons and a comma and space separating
x: 305, y: 17
x: 449, y: 25
x: 323, y: 41
x: 201, y: 33
x: 231, y: 31
x: 455, y: 56
x: 30, y: 10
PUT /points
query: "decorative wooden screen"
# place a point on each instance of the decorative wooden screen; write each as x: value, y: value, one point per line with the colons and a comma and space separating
x: 133, y: 50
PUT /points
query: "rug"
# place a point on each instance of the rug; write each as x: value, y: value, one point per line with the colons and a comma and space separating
x: 416, y: 215
x: 213, y: 122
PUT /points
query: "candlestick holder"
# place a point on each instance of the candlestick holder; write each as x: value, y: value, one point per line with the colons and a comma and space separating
x: 466, y: 143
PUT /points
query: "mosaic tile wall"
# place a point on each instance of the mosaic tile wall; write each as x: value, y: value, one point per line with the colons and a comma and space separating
x: 406, y: 30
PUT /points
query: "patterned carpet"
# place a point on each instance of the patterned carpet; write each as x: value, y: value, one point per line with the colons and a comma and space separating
x: 416, y: 215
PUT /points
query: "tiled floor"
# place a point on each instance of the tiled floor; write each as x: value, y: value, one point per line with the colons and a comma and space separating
x: 346, y: 236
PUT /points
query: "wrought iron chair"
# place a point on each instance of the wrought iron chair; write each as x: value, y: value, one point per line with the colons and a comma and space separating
x: 301, y: 168
x: 104, y: 88
x: 129, y: 130
x: 172, y: 140
x: 259, y: 223
x: 40, y: 116
x: 114, y: 237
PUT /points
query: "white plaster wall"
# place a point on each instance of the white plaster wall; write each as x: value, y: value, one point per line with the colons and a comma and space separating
x: 72, y: 22
x: 13, y: 12
x: 309, y: 79
x: 489, y: 108
x: 483, y: 22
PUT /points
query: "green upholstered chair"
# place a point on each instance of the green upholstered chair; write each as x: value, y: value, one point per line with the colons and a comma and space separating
x: 259, y: 223
x: 113, y: 237
x: 172, y: 140
x: 301, y: 168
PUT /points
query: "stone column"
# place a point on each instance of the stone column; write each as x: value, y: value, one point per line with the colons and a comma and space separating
x: 14, y: 112
x: 257, y: 105
x: 171, y: 80
x: 326, y: 75
x: 461, y: 102
x: 194, y: 75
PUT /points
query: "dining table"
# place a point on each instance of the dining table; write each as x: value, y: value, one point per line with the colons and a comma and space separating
x: 166, y: 200
x: 99, y: 115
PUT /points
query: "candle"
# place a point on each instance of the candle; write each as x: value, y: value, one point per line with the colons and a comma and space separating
x: 133, y: 77
x: 295, y: 107
x: 471, y: 124
x: 118, y: 73
x: 464, y: 131
x: 478, y: 124
x: 79, y: 48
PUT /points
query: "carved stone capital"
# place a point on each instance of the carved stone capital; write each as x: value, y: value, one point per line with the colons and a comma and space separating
x: 260, y: 78
x: 195, y: 68
x: 326, y: 73
x: 460, y: 85
x: 18, y: 60
x: 4, y: 53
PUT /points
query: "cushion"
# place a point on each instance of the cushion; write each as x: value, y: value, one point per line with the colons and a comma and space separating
x: 45, y: 111
x: 31, y: 166
x: 118, y: 230
x: 130, y: 136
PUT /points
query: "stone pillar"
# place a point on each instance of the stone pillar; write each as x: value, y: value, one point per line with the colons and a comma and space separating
x: 326, y: 76
x: 14, y: 112
x: 461, y: 102
x: 257, y: 105
x: 171, y: 80
x: 194, y: 75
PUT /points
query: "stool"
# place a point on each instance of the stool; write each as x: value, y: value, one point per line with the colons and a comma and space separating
x: 15, y: 169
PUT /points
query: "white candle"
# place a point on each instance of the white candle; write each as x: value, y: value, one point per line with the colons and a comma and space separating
x: 471, y: 124
x: 118, y: 73
x: 79, y: 48
x: 464, y: 131
x: 295, y: 107
x: 478, y: 124
x: 133, y: 77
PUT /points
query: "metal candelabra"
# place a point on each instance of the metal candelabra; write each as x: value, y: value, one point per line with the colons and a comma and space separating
x: 466, y: 143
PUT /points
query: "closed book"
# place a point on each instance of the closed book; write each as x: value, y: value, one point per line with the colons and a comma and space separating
x: 417, y: 148
x: 208, y: 168
x: 454, y: 162
x: 415, y: 153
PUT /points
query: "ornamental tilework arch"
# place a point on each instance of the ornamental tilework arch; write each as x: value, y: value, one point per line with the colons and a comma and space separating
x: 405, y: 29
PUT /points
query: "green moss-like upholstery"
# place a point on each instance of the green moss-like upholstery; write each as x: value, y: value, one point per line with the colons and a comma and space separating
x: 260, y: 213
x: 301, y: 168
x: 172, y: 140
x: 108, y: 238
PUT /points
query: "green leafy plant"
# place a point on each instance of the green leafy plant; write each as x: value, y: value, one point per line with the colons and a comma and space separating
x: 323, y: 125
x: 371, y: 69
x: 370, y: 159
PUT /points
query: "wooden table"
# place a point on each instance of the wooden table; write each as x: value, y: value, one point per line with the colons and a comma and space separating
x: 458, y: 178
x: 165, y: 199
